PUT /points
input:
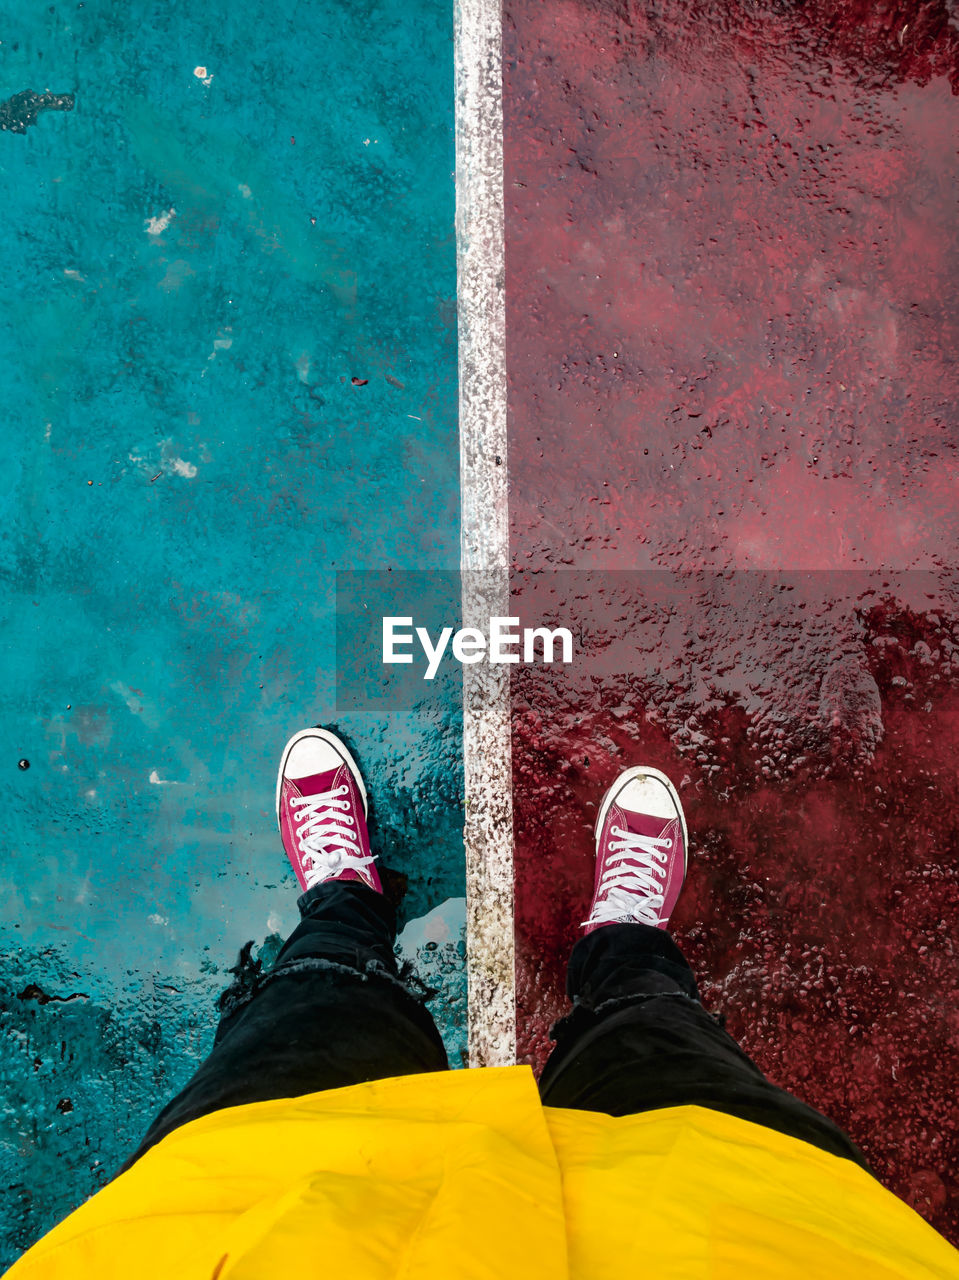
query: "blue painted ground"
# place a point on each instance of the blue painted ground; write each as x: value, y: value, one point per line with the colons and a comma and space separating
x: 244, y: 212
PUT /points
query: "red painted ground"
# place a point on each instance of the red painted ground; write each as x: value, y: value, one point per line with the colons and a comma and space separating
x: 731, y: 275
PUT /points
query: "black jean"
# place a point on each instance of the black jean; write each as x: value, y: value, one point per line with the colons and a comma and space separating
x: 335, y: 1010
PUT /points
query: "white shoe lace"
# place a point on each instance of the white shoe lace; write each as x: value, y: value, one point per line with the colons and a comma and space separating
x: 326, y: 837
x: 632, y: 892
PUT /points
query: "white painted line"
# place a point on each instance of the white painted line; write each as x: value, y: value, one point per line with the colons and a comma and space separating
x: 484, y: 556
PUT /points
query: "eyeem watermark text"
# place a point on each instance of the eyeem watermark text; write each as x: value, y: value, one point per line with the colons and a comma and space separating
x: 502, y: 643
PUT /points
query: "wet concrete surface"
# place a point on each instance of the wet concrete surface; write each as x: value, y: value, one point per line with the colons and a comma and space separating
x: 228, y: 360
x: 731, y: 327
x: 731, y: 307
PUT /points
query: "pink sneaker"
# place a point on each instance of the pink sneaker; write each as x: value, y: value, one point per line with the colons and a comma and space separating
x: 641, y: 845
x: 321, y: 811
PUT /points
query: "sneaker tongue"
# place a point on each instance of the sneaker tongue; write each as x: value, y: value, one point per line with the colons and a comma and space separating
x: 644, y: 824
x: 316, y: 782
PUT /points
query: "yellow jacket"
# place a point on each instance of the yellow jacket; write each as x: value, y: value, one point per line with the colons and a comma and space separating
x: 466, y: 1174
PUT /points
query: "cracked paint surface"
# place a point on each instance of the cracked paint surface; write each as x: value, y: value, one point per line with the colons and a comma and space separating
x: 731, y: 328
x: 229, y: 366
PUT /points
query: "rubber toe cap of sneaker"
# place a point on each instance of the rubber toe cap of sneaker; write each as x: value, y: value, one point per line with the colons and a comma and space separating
x: 649, y: 795
x: 310, y: 756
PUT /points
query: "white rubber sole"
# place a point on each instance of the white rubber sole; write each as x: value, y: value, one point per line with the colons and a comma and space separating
x: 338, y: 746
x: 627, y: 776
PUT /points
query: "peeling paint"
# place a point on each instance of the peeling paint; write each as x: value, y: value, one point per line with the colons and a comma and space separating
x: 157, y: 225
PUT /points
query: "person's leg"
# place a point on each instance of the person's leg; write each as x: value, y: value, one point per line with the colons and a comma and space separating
x: 334, y: 1010
x: 638, y: 1039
